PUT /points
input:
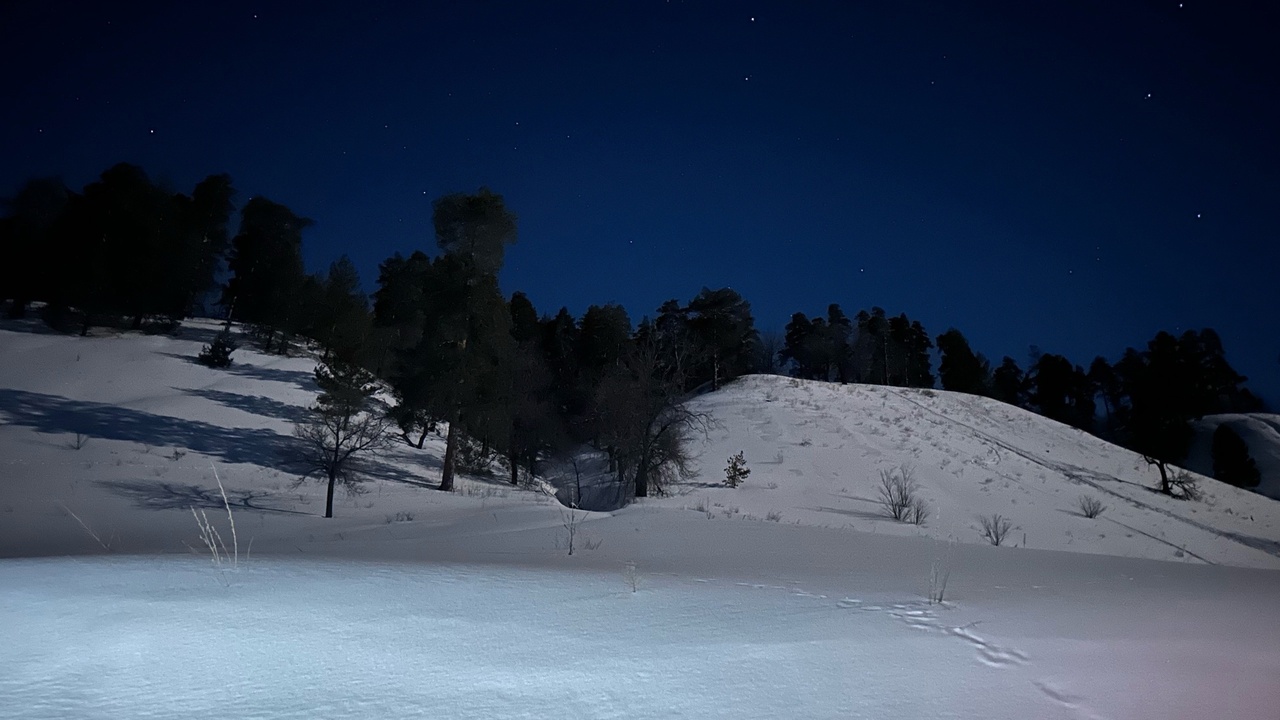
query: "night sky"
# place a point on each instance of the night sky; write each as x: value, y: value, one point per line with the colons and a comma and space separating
x: 1073, y: 175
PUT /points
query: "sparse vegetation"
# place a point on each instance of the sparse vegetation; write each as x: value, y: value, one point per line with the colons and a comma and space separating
x: 79, y: 441
x: 939, y: 575
x: 773, y: 516
x: 569, y: 519
x: 1091, y: 507
x: 995, y: 528
x: 210, y: 536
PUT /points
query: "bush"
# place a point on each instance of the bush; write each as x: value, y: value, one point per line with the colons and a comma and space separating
x: 1091, y: 507
x: 736, y: 471
x: 995, y: 528
x: 898, y: 496
x: 218, y: 354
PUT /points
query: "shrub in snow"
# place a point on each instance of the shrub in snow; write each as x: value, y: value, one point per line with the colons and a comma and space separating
x: 218, y: 353
x: 918, y: 512
x: 736, y: 471
x: 1184, y: 485
x: 898, y: 496
x: 995, y: 528
x: 1091, y: 507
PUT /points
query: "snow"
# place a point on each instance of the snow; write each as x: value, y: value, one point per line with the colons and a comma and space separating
x: 416, y: 603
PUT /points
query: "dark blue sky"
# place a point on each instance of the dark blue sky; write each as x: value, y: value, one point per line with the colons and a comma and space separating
x: 1074, y: 175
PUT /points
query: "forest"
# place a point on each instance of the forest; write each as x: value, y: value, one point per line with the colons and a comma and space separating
x: 503, y: 377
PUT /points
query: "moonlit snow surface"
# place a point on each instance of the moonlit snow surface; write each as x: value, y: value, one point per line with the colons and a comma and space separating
x: 175, y: 637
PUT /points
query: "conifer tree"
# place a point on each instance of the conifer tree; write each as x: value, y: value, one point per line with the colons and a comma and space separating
x: 961, y: 369
x: 267, y: 271
x: 343, y: 426
x: 1231, y: 461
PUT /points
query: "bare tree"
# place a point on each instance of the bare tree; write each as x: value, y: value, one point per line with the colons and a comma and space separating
x: 345, y: 424
x: 995, y: 528
x: 644, y: 422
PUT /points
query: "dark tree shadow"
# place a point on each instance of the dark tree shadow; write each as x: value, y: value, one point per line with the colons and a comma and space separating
x: 177, y: 496
x: 301, y: 378
x: 205, y: 335
x: 860, y: 514
x: 256, y: 404
x: 54, y: 414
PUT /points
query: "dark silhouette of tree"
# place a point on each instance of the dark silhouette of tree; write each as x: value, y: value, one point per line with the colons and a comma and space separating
x: 723, y: 331
x: 643, y: 420
x: 961, y: 369
x: 1062, y: 392
x: 797, y: 346
x: 1106, y: 385
x: 457, y: 371
x: 535, y: 425
x: 837, y: 345
x: 910, y: 362
x: 398, y: 308
x: 871, y: 349
x: 1231, y: 461
x: 267, y: 271
x: 604, y: 334
x: 340, y: 319
x: 30, y: 244
x: 767, y: 360
x: 1009, y: 385
x: 559, y: 348
x: 1163, y: 388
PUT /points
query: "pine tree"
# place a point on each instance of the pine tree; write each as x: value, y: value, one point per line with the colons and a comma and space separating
x: 1008, y: 384
x: 343, y: 425
x: 267, y: 271
x: 962, y: 370
x: 736, y: 471
x: 721, y: 327
x: 1231, y: 461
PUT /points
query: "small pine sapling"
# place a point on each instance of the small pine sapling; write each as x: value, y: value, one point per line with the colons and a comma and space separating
x: 736, y: 471
x: 218, y: 354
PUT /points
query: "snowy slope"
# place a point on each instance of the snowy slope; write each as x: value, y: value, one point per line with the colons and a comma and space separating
x: 816, y: 449
x: 1260, y: 432
x: 416, y: 603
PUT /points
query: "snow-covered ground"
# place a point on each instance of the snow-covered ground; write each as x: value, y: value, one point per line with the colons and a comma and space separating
x: 415, y: 603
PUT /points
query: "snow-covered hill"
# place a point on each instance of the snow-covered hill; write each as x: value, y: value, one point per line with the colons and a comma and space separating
x: 816, y: 451
x: 789, y: 596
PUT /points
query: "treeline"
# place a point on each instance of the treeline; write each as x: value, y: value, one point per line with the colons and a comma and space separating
x: 507, y: 379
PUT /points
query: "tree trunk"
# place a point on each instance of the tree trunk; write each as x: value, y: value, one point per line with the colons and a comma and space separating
x: 642, y: 478
x: 18, y: 309
x: 423, y: 437
x: 450, y: 454
x: 1164, y: 474
x: 328, y: 501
